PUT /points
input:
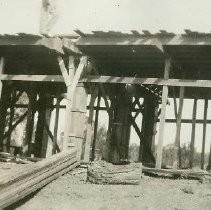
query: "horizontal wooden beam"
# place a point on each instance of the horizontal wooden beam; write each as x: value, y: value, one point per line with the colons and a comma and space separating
x: 34, y: 78
x: 148, y: 81
x: 147, y: 39
x: 53, y: 43
x: 186, y: 121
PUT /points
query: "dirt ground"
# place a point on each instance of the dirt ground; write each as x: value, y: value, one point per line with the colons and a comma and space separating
x: 71, y: 191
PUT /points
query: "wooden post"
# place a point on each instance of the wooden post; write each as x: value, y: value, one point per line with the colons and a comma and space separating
x: 78, y: 118
x: 3, y: 105
x: 40, y: 125
x: 121, y: 123
x: 193, y: 133
x: 89, y: 127
x: 27, y: 148
x: 47, y: 119
x: 56, y: 123
x: 148, y: 130
x: 204, y: 133
x: 163, y: 115
x: 209, y: 162
x: 95, y: 129
x: 12, y: 112
x: 178, y: 130
x: 71, y: 89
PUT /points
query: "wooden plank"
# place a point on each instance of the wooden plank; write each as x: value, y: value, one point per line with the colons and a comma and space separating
x: 178, y: 130
x: 95, y: 129
x: 172, y: 173
x: 33, y: 78
x: 163, y: 115
x: 34, y: 176
x: 192, y: 143
x: 147, y: 81
x: 89, y: 126
x: 204, y: 133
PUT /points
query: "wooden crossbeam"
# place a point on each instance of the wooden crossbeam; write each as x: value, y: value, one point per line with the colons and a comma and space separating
x: 186, y: 121
x: 33, y: 78
x: 148, y: 81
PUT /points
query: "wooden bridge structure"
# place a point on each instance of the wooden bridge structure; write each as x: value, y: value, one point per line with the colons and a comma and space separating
x: 83, y: 70
x: 116, y: 67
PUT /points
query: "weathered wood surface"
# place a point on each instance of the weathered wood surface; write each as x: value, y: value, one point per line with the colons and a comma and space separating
x: 102, y: 172
x: 148, y: 81
x: 163, y: 115
x: 16, y: 185
x: 172, y: 173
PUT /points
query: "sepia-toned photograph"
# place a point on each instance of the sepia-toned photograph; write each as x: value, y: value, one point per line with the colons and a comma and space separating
x: 105, y: 105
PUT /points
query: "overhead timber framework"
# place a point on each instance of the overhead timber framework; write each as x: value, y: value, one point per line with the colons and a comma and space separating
x: 133, y: 74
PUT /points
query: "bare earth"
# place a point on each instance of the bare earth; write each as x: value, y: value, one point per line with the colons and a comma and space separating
x: 71, y: 191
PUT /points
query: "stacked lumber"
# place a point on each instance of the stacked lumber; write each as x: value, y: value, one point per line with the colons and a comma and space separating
x: 172, y: 173
x: 16, y: 185
x: 101, y: 172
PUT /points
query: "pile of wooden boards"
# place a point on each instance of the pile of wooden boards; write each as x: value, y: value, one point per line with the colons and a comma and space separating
x: 101, y: 172
x: 18, y: 184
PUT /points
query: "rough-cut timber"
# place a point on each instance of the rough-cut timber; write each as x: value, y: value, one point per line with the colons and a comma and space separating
x: 102, y: 172
x: 15, y: 186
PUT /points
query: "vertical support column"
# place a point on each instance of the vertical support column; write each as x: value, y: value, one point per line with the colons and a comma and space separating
x: 193, y: 133
x: 178, y: 130
x: 47, y: 118
x: 56, y: 123
x: 66, y: 140
x: 40, y: 125
x: 204, y: 133
x: 27, y: 149
x: 120, y: 132
x: 89, y: 127
x: 3, y: 105
x: 209, y: 161
x: 95, y: 128
x: 148, y: 129
x: 12, y: 112
x: 163, y: 115
x: 78, y: 119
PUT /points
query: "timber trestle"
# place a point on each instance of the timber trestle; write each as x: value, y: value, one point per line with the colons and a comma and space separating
x: 47, y: 82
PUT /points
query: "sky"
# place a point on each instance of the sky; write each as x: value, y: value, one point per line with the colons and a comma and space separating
x: 123, y: 15
x: 119, y: 15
